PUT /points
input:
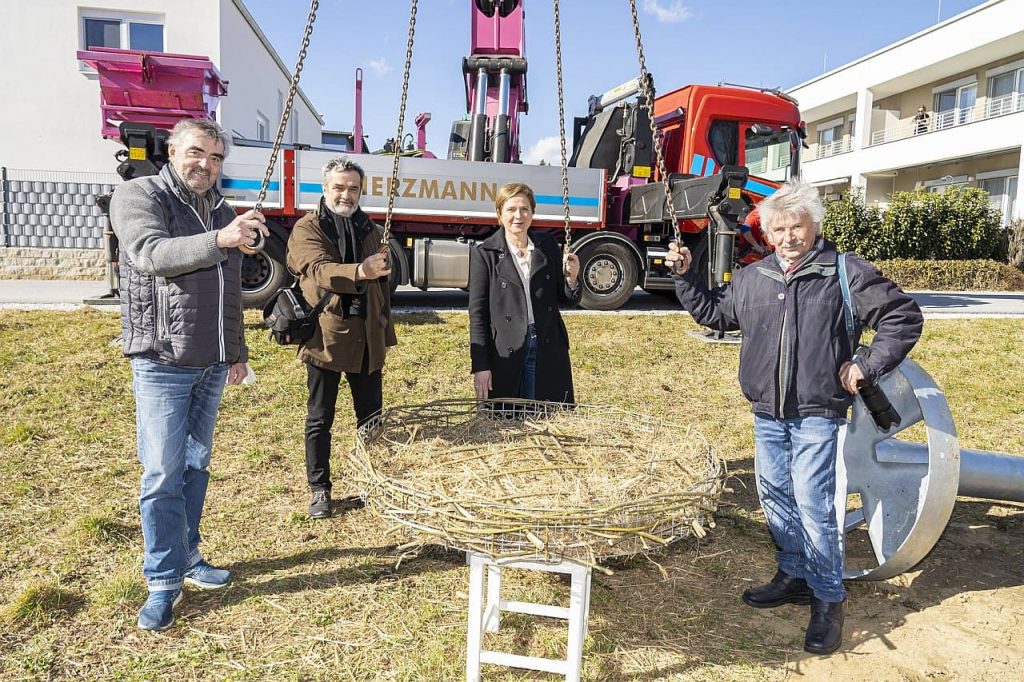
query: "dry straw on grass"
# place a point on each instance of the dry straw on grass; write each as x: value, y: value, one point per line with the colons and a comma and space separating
x: 525, y: 479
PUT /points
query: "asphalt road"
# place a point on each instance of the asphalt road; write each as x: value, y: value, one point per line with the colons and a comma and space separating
x: 935, y: 304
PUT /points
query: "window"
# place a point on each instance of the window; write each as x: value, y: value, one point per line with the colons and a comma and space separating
x: 769, y: 156
x: 723, y: 137
x: 954, y: 105
x: 102, y: 33
x: 940, y: 185
x: 262, y: 127
x: 122, y: 31
x: 1002, y: 193
x: 830, y: 138
x: 1006, y: 93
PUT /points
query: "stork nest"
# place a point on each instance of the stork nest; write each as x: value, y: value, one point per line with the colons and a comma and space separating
x: 529, y: 479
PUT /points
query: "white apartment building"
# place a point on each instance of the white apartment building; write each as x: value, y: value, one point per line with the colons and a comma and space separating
x: 864, y: 127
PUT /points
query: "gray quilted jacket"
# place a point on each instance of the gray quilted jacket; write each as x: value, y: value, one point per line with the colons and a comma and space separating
x: 181, y: 296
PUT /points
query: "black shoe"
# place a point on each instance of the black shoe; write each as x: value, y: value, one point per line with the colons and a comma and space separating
x: 320, y: 506
x: 825, y: 630
x: 783, y: 589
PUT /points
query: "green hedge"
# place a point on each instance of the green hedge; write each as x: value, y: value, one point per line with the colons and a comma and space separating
x: 958, y: 224
x: 952, y: 275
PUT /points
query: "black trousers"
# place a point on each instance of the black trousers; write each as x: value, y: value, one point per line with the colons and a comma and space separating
x: 320, y: 409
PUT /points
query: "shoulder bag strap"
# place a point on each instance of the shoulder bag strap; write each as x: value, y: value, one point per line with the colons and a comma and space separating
x: 848, y: 312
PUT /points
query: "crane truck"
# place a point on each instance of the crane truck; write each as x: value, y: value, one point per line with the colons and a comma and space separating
x: 725, y: 148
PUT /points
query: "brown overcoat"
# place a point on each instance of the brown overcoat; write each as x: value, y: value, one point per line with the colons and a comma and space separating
x: 339, y: 343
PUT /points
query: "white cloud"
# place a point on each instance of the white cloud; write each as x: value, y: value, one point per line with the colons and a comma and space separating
x: 546, y: 148
x: 380, y: 66
x: 671, y: 12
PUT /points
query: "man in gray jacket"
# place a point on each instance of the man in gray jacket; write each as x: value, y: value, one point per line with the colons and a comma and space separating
x: 799, y: 371
x: 182, y: 325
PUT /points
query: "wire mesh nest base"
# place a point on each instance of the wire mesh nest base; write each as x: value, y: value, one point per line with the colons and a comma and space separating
x: 529, y: 479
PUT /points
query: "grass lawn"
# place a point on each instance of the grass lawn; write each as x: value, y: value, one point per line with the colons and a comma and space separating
x: 323, y: 600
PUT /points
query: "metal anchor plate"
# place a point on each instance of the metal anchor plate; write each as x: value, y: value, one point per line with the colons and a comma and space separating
x: 907, y: 490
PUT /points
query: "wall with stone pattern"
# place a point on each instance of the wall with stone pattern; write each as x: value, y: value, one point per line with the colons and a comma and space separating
x: 26, y: 262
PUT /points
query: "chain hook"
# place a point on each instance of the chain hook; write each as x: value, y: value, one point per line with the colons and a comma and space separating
x: 561, y: 136
x: 393, y: 187
x: 645, y: 84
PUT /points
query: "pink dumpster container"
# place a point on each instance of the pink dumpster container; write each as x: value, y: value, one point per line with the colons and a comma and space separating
x: 153, y: 87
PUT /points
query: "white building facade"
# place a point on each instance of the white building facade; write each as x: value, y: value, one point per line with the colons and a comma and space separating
x: 53, y: 156
x: 866, y: 128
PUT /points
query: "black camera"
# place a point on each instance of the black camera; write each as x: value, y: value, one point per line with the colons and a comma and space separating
x: 882, y: 411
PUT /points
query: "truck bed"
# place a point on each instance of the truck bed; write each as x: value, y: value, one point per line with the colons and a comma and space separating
x: 432, y: 190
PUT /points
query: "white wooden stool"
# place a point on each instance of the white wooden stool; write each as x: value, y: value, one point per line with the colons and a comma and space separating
x: 488, y: 619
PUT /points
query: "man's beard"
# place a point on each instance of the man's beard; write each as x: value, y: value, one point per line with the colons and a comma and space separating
x: 344, y: 211
x: 199, y: 181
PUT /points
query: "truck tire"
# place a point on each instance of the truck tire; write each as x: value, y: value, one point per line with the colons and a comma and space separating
x: 608, y: 272
x: 264, y: 273
x: 399, y: 266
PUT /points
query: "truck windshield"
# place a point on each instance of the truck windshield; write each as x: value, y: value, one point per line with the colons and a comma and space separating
x: 770, y: 156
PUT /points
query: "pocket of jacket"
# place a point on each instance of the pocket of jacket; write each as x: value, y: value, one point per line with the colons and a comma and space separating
x: 163, y: 314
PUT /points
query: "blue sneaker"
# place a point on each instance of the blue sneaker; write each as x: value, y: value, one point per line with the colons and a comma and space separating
x: 207, y: 577
x: 158, y: 611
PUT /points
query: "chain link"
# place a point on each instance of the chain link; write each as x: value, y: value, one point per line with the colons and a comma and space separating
x: 393, y: 190
x: 645, y: 84
x: 561, y: 126
x: 292, y: 88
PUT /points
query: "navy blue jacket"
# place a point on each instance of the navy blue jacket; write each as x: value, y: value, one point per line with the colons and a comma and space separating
x: 794, y: 333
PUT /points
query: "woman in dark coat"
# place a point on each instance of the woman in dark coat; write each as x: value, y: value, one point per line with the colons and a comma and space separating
x: 518, y: 343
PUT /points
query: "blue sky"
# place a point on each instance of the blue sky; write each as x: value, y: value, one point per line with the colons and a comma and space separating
x: 685, y: 41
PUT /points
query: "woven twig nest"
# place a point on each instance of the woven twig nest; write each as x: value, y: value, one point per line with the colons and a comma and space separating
x: 526, y: 479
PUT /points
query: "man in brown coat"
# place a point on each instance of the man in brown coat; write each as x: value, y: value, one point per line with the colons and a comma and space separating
x: 337, y: 248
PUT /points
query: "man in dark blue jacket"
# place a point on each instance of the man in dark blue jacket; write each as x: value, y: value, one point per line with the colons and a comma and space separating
x: 799, y: 371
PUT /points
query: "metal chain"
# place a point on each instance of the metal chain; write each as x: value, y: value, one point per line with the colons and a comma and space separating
x: 292, y: 87
x: 645, y: 84
x: 393, y: 190
x: 561, y: 127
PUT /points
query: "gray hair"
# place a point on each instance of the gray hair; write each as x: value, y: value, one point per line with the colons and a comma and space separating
x: 793, y: 199
x: 203, y: 126
x: 340, y: 164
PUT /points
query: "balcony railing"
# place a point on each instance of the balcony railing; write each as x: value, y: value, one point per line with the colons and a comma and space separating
x: 1006, y: 104
x: 840, y: 146
x: 996, y: 106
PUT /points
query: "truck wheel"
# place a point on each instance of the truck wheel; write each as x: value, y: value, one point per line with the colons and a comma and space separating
x: 609, y: 275
x: 263, y: 273
x: 399, y: 266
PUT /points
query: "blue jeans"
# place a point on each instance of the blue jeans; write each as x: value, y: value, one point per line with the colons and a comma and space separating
x: 528, y: 379
x: 795, y: 463
x: 175, y: 411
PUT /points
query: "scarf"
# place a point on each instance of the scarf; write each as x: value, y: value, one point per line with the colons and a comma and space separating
x: 350, y: 245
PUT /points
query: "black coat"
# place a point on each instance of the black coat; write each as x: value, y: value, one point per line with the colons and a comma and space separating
x: 498, y: 318
x: 794, y: 332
